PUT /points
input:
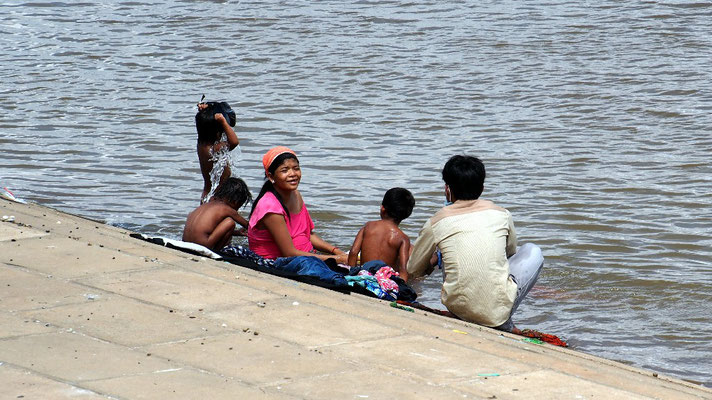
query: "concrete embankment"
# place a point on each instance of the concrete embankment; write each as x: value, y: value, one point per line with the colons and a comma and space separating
x: 88, y: 312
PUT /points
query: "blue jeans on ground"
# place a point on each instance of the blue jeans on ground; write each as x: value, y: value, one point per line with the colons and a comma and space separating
x: 524, y: 268
x: 310, y: 266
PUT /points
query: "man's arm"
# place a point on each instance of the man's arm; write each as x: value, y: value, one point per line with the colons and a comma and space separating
x: 423, y: 248
x: 355, y: 249
x: 511, y: 237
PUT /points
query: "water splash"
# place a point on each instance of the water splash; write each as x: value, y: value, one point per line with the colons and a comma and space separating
x: 221, y: 158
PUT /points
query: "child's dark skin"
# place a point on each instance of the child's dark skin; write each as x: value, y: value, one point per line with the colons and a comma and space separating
x: 213, y: 224
x: 382, y: 240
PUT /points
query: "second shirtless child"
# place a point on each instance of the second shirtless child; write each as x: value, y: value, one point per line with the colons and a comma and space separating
x: 383, y: 240
x: 214, y: 223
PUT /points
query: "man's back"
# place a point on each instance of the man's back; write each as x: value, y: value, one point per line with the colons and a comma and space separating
x: 475, y: 238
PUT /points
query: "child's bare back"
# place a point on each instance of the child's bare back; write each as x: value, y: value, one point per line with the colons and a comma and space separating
x: 213, y: 223
x: 383, y: 240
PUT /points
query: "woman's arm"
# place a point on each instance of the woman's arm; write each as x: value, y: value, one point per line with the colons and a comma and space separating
x: 325, y: 247
x: 277, y: 227
x: 322, y: 245
x: 232, y: 139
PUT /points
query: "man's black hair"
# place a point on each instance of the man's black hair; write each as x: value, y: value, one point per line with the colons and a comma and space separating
x: 269, y: 186
x: 398, y: 203
x: 233, y: 190
x: 465, y: 175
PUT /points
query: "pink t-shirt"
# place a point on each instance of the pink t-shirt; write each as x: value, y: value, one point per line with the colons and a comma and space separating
x: 300, y: 227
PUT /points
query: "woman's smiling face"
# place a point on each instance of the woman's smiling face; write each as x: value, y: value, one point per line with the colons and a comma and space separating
x: 287, y: 176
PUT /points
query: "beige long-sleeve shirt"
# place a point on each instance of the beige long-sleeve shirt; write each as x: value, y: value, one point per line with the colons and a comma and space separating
x: 475, y: 237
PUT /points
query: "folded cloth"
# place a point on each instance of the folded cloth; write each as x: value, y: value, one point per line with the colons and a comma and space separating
x: 188, y: 247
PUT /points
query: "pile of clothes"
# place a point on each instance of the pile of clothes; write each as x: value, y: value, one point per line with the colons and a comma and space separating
x: 374, y: 278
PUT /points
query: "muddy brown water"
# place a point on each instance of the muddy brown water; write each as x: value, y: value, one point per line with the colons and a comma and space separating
x: 593, y: 120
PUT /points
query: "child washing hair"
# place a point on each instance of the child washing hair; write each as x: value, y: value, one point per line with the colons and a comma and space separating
x: 211, y: 121
x: 383, y: 240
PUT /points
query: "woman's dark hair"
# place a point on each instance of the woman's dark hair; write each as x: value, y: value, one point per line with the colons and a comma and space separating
x: 465, y: 175
x: 207, y: 126
x: 398, y: 203
x: 233, y: 190
x: 209, y: 130
x: 269, y: 187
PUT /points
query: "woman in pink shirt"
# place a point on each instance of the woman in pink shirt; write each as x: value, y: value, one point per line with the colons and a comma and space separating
x: 280, y: 225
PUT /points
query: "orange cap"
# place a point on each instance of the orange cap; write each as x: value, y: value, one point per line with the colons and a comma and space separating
x: 273, y: 153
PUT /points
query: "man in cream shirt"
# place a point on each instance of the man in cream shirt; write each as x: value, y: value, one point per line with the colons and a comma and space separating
x: 485, y: 277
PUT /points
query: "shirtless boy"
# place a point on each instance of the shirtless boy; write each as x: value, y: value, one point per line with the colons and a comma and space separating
x: 210, y: 126
x: 213, y: 223
x: 383, y: 240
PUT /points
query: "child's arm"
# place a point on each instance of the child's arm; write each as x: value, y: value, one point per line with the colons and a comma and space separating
x: 238, y: 218
x: 243, y: 222
x: 355, y: 249
x: 404, y: 251
x: 232, y: 139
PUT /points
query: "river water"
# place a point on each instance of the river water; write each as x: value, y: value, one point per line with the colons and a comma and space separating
x: 593, y: 119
